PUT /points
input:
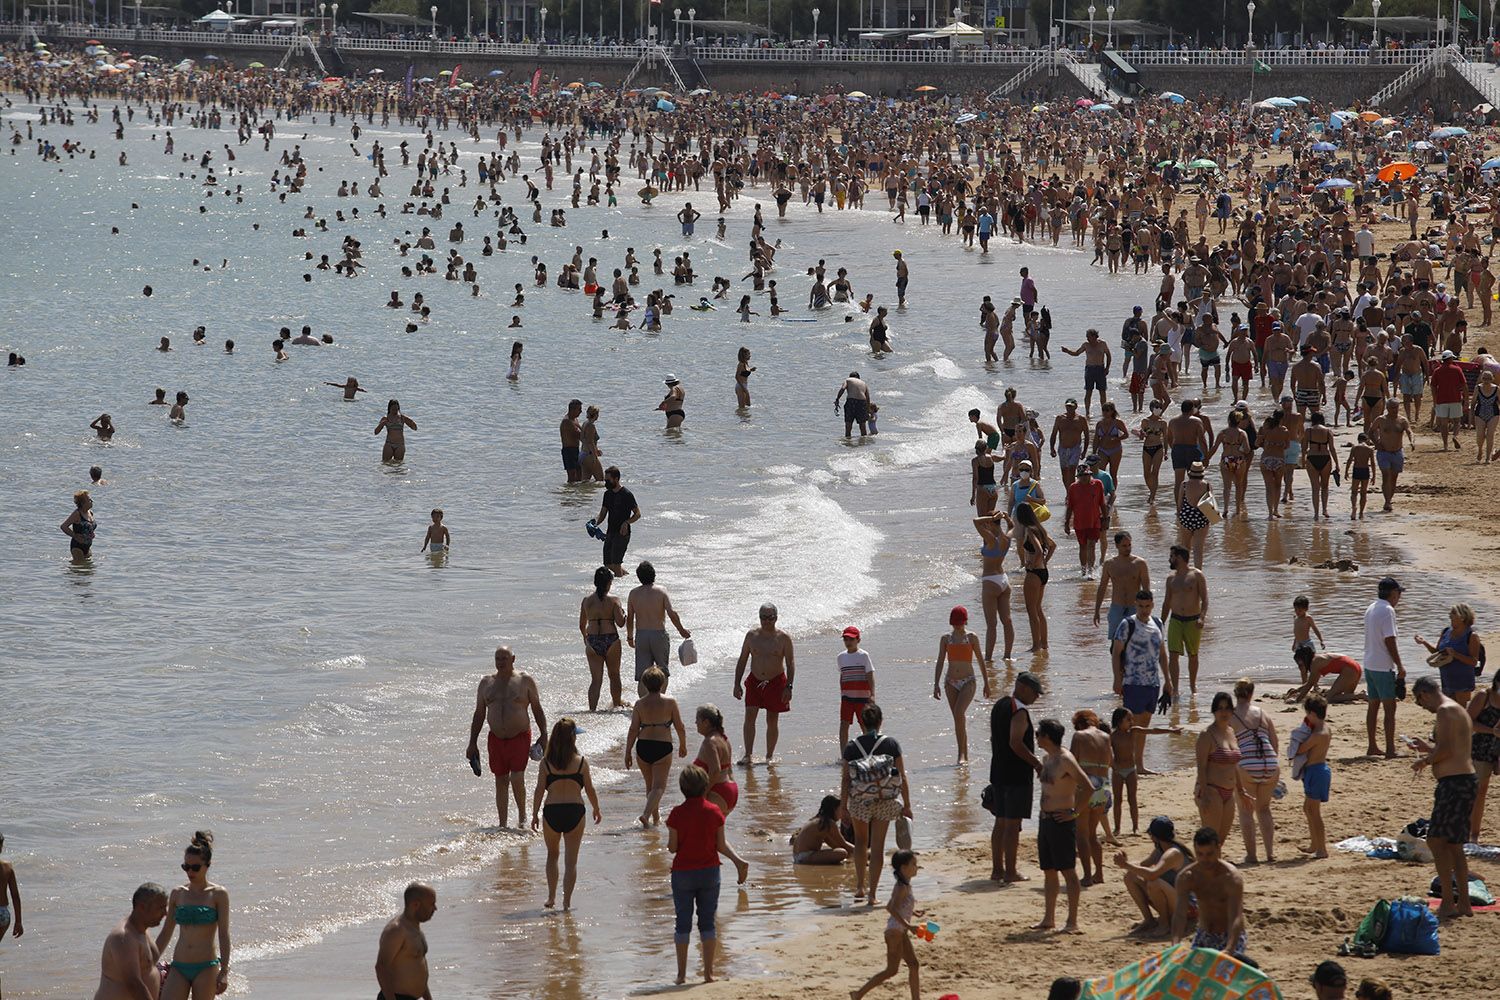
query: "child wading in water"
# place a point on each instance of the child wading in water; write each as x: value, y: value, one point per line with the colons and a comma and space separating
x: 898, y: 929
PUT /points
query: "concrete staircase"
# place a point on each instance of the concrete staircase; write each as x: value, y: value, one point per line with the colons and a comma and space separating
x: 1019, y: 79
x: 1434, y: 65
x: 1483, y: 77
x: 1090, y: 76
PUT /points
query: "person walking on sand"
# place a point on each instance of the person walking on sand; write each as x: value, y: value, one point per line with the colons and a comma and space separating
x: 1092, y: 749
x: 201, y: 909
x: 899, y: 927
x: 599, y: 619
x: 1185, y: 608
x: 768, y: 652
x: 1057, y: 830
x: 394, y: 423
x: 1013, y: 767
x: 401, y: 961
x: 959, y: 649
x: 1123, y: 576
x: 1220, y: 891
x: 563, y: 779
x: 1139, y: 654
x: 696, y: 838
x: 872, y: 794
x: 128, y: 965
x: 652, y: 720
x: 503, y: 700
x: 1384, y: 672
x: 1449, y: 756
x: 856, y: 682
x: 647, y: 610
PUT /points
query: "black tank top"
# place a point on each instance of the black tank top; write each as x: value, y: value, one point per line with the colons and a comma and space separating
x: 1006, y: 768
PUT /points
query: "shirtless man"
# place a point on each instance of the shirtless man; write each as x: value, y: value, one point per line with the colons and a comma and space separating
x: 1308, y: 387
x: 1185, y: 610
x: 903, y: 275
x: 857, y: 406
x: 1453, y: 801
x: 1278, y: 358
x: 1070, y: 441
x: 1187, y: 442
x: 127, y: 968
x: 1389, y: 432
x: 768, y: 651
x: 1220, y: 889
x: 1412, y: 371
x: 986, y: 431
x: 1057, y: 829
x: 1096, y: 364
x: 504, y: 699
x: 572, y: 436
x: 10, y: 899
x: 401, y: 962
x: 1124, y: 576
x: 1241, y: 352
x: 646, y: 612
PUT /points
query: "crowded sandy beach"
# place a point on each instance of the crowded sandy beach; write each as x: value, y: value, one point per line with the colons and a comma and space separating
x: 1161, y: 444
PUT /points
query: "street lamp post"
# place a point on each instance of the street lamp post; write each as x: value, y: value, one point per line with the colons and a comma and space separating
x: 542, y: 30
x: 692, y: 29
x: 1091, y: 27
x: 1250, y: 50
x: 433, y: 12
x: 335, y: 23
x: 815, y: 13
x: 1375, y: 28
x: 1109, y: 37
x: 677, y: 24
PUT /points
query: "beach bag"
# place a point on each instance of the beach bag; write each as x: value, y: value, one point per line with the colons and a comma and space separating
x: 1479, y: 893
x: 687, y: 653
x: 873, y: 777
x: 1410, y: 847
x: 1209, y: 509
x: 1040, y: 509
x: 1413, y: 928
x: 1372, y: 929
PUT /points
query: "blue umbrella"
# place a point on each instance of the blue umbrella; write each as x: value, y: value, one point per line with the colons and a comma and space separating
x: 1300, y: 100
x: 1448, y: 132
x: 497, y: 72
x: 1280, y: 102
x: 425, y: 79
x: 1335, y: 182
x: 665, y: 106
x: 1173, y: 96
x: 1323, y: 147
x: 1491, y: 164
x: 1096, y: 109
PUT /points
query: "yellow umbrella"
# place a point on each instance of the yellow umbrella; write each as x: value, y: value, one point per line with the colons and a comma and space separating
x: 446, y: 72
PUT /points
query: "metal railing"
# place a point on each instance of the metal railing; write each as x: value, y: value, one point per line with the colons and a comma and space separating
x: 1415, y: 75
x: 1485, y: 78
x: 1027, y: 72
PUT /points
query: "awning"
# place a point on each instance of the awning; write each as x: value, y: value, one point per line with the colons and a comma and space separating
x: 396, y: 20
x: 1121, y: 26
x: 722, y: 27
x: 1405, y: 25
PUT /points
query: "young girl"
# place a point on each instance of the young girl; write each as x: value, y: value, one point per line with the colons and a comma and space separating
x: 1124, y: 776
x: 744, y: 310
x: 898, y: 928
x: 1357, y: 470
x: 515, y: 362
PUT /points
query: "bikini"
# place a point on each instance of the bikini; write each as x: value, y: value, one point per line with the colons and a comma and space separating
x: 600, y: 642
x: 564, y: 817
x: 1039, y: 571
x: 651, y: 751
x: 960, y: 654
x: 999, y: 579
x: 1223, y: 755
x: 195, y: 916
x: 1318, y: 461
x: 727, y: 791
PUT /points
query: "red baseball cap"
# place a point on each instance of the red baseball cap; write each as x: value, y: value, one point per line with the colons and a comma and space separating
x: 851, y: 632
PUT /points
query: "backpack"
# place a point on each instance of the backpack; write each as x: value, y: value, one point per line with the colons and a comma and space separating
x: 873, y: 777
x: 1373, y: 928
x: 1413, y: 928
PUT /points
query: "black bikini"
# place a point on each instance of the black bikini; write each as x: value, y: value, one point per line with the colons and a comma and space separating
x: 651, y: 751
x: 564, y: 816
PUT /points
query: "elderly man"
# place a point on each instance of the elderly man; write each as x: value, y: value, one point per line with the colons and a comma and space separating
x: 127, y: 969
x: 401, y: 962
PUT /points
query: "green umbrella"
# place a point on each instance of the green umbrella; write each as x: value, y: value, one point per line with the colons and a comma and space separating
x: 257, y: 65
x: 1202, y: 164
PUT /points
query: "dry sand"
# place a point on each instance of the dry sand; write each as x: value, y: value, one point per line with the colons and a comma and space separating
x: 1298, y: 910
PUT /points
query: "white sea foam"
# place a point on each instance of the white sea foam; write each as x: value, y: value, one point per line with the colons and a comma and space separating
x: 943, y: 431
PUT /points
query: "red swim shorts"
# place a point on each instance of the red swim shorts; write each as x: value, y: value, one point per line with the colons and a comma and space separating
x: 849, y: 709
x: 510, y: 755
x: 769, y: 695
x: 1088, y: 532
x: 1137, y: 383
x: 1242, y: 369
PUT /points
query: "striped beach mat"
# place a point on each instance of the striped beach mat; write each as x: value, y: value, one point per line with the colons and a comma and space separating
x: 1183, y: 972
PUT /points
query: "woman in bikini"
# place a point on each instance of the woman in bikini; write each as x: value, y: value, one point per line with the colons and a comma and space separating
x: 982, y: 488
x: 1486, y: 416
x: 1218, y: 782
x: 1192, y: 523
x: 650, y: 738
x: 588, y: 447
x: 959, y: 649
x: 562, y: 780
x: 1357, y: 471
x: 201, y: 910
x: 1109, y: 438
x: 716, y: 758
x: 673, y: 403
x: 1233, y: 444
x: 742, y: 372
x: 1153, y: 434
x: 994, y: 533
x: 1035, y: 547
x: 1484, y: 712
x: 1259, y: 770
x: 1272, y: 441
x: 1317, y: 450
x: 600, y: 616
x: 1091, y: 747
x: 394, y: 423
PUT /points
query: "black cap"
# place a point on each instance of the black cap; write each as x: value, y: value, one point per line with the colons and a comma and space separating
x: 1389, y: 584
x: 1329, y: 973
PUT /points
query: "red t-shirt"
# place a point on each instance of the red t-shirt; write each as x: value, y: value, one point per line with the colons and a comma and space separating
x: 1448, y: 384
x: 1086, y: 501
x: 697, y: 823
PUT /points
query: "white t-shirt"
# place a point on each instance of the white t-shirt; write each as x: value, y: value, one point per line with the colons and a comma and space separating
x: 855, y: 672
x: 1364, y: 302
x: 1380, y: 624
x: 1364, y: 242
x: 1306, y: 324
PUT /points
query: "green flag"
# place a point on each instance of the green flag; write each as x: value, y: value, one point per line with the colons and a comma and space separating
x: 1261, y: 67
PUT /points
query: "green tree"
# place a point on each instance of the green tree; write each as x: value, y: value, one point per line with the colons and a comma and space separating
x: 394, y: 7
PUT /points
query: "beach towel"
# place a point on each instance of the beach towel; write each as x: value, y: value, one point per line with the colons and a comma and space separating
x: 1184, y: 971
x: 1294, y: 749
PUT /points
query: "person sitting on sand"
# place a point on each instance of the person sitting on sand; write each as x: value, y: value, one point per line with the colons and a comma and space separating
x: 1344, y: 670
x: 1220, y: 890
x: 819, y: 841
x: 1152, y: 883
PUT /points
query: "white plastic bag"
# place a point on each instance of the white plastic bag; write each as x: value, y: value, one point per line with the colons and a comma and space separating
x: 687, y: 653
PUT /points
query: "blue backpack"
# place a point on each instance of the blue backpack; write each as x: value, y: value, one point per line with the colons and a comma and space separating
x: 1413, y: 928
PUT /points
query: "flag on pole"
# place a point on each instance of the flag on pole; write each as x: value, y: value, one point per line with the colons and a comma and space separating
x: 456, y: 70
x: 536, y: 81
x: 409, y: 69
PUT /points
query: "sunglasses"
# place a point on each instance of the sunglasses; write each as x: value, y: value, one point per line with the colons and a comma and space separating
x: 192, y: 868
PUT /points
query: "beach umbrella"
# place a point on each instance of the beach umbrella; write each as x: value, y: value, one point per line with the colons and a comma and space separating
x: 1421, y: 144
x: 257, y: 65
x: 1483, y: 109
x: 446, y: 72
x: 665, y: 106
x: 1367, y: 116
x: 1203, y: 164
x: 1280, y: 102
x: 926, y: 89
x: 466, y: 85
x: 1400, y: 170
x: 575, y: 85
x: 1448, y: 132
x: 1184, y: 971
x: 1083, y: 102
x: 426, y: 79
x: 211, y: 58
x: 1040, y: 107
x: 1100, y: 108
x: 566, y: 93
x: 93, y: 41
x: 856, y: 94
x: 700, y: 92
x: 1299, y: 100
x: 1335, y: 182
x: 1172, y: 98
x: 497, y: 72
x: 965, y: 118
x: 1323, y: 147
x: 377, y: 72
x: 788, y: 97
x: 1491, y: 164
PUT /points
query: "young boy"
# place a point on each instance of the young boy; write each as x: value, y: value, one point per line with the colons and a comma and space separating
x: 856, y: 683
x: 437, y: 535
x: 1303, y: 627
x: 1341, y: 398
x: 1317, y: 777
